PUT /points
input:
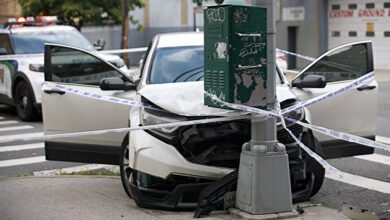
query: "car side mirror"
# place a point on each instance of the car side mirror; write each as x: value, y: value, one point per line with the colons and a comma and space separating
x: 115, y: 83
x: 99, y: 44
x: 310, y: 81
x: 3, y: 51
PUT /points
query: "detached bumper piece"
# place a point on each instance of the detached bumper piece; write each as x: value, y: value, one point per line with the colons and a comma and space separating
x: 212, y: 197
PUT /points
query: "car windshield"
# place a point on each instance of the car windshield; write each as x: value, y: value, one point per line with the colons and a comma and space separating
x: 179, y: 64
x: 33, y: 42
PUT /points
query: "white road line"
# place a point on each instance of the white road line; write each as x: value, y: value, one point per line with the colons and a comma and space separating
x: 22, y: 161
x: 26, y: 135
x: 16, y: 128
x: 22, y: 147
x: 8, y: 122
x: 70, y: 170
x: 364, y: 182
x: 382, y: 139
x: 377, y: 158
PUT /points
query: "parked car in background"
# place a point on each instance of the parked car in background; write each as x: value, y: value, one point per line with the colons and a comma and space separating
x: 21, y: 60
x: 167, y: 168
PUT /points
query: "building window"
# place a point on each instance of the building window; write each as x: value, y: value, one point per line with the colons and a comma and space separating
x: 370, y: 34
x: 352, y: 6
x: 352, y: 33
x: 370, y: 5
x: 386, y: 5
x: 335, y: 33
x: 335, y: 7
x: 386, y: 33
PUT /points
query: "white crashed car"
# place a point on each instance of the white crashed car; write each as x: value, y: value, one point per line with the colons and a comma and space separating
x: 167, y: 168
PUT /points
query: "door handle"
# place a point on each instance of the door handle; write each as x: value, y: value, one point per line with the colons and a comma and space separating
x: 56, y: 91
x: 362, y: 88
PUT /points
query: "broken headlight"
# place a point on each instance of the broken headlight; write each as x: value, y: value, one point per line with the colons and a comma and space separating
x: 153, y: 117
x: 297, y: 114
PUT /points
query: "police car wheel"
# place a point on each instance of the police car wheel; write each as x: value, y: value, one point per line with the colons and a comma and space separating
x: 24, y: 102
x: 124, y: 166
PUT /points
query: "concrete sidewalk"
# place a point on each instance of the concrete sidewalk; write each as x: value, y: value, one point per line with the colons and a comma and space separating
x: 94, y: 197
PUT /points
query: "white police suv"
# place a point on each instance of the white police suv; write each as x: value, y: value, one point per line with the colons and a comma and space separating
x: 21, y: 61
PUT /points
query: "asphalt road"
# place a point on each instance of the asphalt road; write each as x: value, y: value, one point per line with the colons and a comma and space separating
x: 17, y: 162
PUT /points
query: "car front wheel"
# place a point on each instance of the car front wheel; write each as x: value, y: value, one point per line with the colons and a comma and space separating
x: 24, y: 102
x: 124, y: 166
x: 307, y: 187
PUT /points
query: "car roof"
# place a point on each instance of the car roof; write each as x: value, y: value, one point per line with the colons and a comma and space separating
x: 180, y: 39
x: 30, y: 29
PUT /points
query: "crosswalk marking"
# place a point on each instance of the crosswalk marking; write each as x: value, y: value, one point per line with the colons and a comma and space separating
x: 16, y: 128
x: 8, y: 122
x: 22, y: 161
x: 382, y: 139
x: 28, y: 135
x: 77, y: 169
x: 363, y: 182
x: 22, y: 147
x: 377, y: 158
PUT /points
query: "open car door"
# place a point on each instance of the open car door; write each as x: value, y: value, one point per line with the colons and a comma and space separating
x: 66, y: 112
x: 353, y: 111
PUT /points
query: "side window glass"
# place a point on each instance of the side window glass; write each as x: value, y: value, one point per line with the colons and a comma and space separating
x: 67, y: 65
x: 345, y: 63
x: 5, y: 44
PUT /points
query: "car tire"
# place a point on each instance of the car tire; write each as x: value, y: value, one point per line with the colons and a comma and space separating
x: 315, y: 172
x: 124, y: 166
x: 24, y: 102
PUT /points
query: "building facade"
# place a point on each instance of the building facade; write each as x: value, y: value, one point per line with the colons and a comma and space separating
x: 9, y: 9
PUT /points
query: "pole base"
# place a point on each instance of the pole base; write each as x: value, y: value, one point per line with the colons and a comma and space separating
x: 264, y: 183
x: 246, y: 215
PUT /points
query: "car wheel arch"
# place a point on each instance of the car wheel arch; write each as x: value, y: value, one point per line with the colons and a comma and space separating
x: 19, y: 77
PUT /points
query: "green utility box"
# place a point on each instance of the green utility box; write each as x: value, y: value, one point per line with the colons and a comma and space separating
x: 235, y: 50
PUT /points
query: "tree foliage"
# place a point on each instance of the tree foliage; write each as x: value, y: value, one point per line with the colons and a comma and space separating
x: 199, y: 2
x: 79, y: 13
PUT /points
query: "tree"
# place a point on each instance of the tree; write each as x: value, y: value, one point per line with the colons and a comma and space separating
x: 199, y: 2
x: 78, y: 13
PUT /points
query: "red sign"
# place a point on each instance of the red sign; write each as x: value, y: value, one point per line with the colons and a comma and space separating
x: 341, y: 13
x: 363, y: 13
x: 371, y: 12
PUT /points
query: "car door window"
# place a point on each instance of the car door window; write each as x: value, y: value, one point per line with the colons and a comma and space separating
x: 68, y: 65
x: 5, y: 43
x: 344, y: 63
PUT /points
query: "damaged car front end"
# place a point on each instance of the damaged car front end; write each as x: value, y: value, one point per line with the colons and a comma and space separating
x: 169, y: 167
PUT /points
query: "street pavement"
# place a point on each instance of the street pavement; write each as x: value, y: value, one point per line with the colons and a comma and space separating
x: 81, y: 197
x: 367, y: 186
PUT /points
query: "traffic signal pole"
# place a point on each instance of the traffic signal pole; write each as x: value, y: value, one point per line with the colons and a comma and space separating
x: 264, y: 179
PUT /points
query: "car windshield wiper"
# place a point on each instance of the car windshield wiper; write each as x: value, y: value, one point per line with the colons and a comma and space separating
x: 197, y: 70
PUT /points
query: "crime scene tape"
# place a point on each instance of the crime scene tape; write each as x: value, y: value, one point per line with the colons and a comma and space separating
x: 129, y: 50
x: 15, y: 56
x: 329, y: 132
x: 117, y: 100
x: 319, y: 159
x: 118, y: 130
x: 296, y: 54
x: 343, y: 136
x: 329, y: 168
x: 353, y: 84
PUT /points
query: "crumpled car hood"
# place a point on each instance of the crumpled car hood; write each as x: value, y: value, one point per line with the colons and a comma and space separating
x: 187, y: 98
